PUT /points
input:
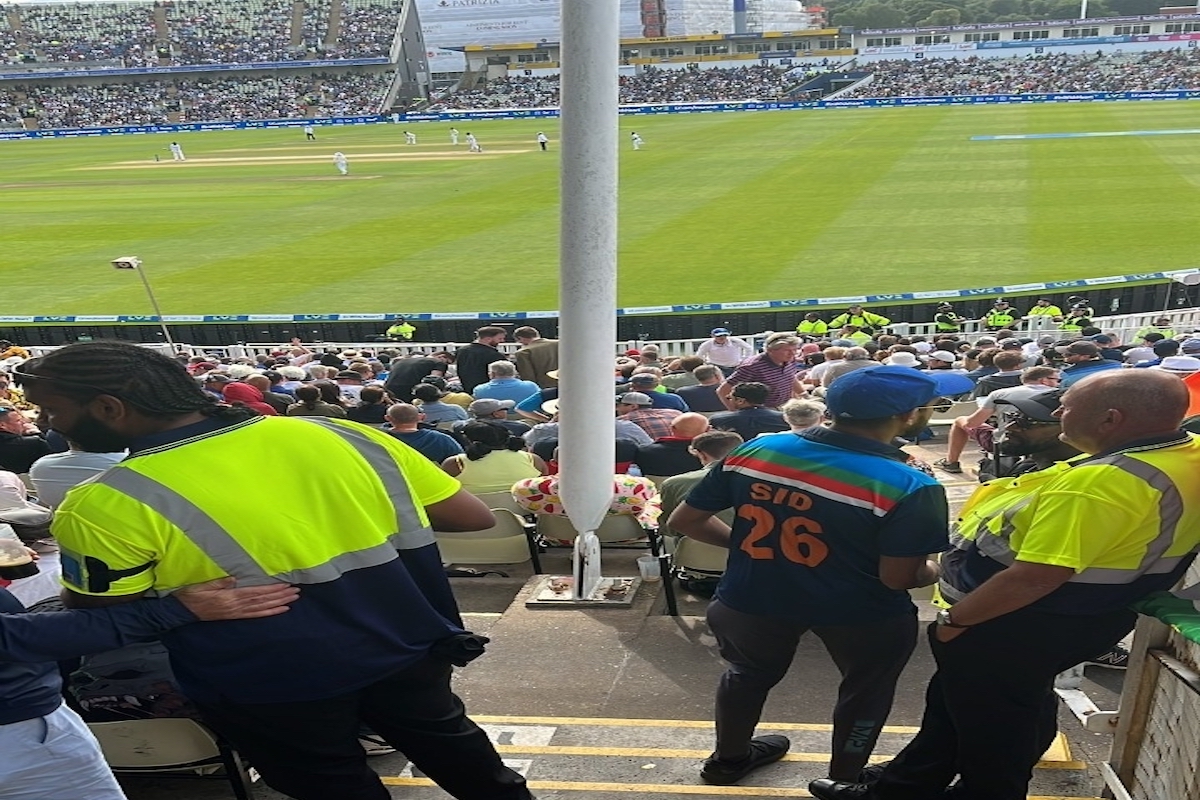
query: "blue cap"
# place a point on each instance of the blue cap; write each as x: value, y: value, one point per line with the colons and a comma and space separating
x: 720, y: 332
x: 882, y: 392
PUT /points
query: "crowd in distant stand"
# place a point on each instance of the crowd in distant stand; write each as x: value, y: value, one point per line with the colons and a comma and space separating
x: 196, y: 100
x: 198, y: 32
x: 1161, y: 70
x: 758, y: 82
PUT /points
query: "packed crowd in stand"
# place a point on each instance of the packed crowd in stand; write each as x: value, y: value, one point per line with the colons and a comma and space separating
x: 76, y: 33
x: 1162, y: 70
x: 194, y: 32
x: 802, y: 437
x: 758, y: 82
x: 201, y: 99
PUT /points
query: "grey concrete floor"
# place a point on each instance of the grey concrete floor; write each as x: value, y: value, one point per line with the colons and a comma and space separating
x: 608, y: 703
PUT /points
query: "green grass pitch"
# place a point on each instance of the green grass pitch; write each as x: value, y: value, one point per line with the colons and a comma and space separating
x: 715, y: 208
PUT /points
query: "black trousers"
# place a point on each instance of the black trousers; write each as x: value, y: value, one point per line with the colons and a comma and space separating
x: 990, y: 709
x: 309, y: 750
x: 759, y: 651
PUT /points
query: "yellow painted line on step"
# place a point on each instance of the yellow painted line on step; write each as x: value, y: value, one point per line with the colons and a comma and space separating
x: 636, y: 788
x: 640, y: 752
x: 664, y: 723
x: 664, y: 752
x: 1058, y: 756
x: 671, y: 788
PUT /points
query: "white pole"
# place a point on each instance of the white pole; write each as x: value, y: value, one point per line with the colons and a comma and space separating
x: 588, y: 272
x: 1083, y: 8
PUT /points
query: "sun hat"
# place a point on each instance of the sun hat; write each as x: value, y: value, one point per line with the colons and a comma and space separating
x: 902, y: 359
x: 942, y: 355
x: 889, y: 390
x: 635, y: 399
x: 1181, y: 364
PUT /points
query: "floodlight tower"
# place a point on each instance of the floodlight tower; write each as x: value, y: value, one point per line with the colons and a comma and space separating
x: 134, y: 263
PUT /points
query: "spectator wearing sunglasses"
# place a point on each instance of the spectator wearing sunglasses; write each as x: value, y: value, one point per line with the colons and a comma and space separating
x: 975, y: 426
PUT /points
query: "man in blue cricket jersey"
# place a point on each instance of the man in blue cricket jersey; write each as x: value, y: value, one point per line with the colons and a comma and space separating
x: 831, y: 528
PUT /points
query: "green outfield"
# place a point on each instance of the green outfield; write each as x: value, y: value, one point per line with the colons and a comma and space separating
x: 715, y: 208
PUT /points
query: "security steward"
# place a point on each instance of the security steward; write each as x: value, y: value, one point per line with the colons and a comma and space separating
x: 946, y: 321
x: 1076, y: 321
x: 375, y: 630
x: 866, y: 321
x: 1050, y: 560
x: 1001, y: 316
x: 812, y: 325
x: 401, y: 330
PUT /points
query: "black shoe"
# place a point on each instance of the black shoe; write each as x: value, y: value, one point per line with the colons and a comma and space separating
x: 825, y: 789
x: 763, y: 750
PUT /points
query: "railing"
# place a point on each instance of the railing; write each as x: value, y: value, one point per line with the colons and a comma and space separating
x: 1122, y: 328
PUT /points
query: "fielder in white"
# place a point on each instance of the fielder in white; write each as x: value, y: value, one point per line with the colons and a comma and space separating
x: 542, y: 140
x: 454, y: 136
x: 339, y: 161
x: 410, y: 137
x: 636, y: 140
x: 473, y: 144
x: 309, y: 134
x: 177, y: 152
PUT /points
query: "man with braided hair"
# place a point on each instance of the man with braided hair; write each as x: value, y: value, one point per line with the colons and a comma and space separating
x: 183, y: 508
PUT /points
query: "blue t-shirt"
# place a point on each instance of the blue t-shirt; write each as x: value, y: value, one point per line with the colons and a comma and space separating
x: 506, y: 389
x: 813, y: 513
x: 434, y: 445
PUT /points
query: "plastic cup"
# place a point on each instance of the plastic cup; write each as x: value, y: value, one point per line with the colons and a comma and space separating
x: 648, y: 567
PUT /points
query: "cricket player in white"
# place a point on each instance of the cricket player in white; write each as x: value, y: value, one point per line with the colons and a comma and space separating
x: 308, y: 133
x: 177, y: 152
x: 473, y: 144
x: 542, y: 140
x: 410, y: 137
x: 454, y: 136
x: 636, y: 140
x: 339, y: 161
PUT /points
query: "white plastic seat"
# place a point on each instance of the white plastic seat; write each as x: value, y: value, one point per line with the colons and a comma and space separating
x: 169, y: 745
x: 506, y: 542
x: 615, y: 528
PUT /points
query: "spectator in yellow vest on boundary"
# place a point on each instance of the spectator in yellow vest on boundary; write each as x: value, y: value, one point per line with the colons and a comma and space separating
x: 1161, y: 325
x: 1001, y: 316
x: 856, y: 315
x: 812, y: 325
x: 1044, y: 308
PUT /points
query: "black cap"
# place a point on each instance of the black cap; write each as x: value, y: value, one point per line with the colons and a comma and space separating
x: 1040, y: 406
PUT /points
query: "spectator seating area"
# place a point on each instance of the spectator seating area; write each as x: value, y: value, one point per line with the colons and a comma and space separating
x: 758, y: 82
x: 197, y: 99
x: 1160, y: 70
x: 196, y: 32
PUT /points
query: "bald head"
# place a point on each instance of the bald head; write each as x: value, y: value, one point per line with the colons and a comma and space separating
x: 1113, y: 408
x: 403, y: 415
x: 689, y: 425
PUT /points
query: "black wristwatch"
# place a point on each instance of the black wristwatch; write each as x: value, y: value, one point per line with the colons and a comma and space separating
x: 944, y: 619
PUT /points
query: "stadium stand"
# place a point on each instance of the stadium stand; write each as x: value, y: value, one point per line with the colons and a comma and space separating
x: 1091, y: 72
x: 368, y: 27
x: 760, y: 82
x: 201, y: 99
x: 243, y: 32
x: 196, y: 32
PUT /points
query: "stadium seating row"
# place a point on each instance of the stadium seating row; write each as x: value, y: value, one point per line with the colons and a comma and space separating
x: 195, y: 32
x: 199, y: 99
